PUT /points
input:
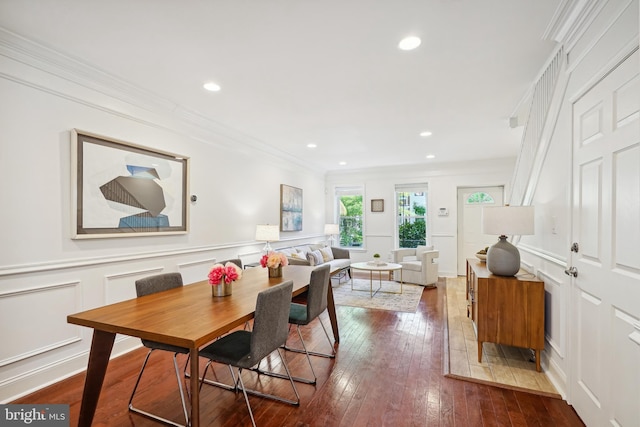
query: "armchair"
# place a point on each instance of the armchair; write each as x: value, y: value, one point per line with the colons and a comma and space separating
x: 419, y: 265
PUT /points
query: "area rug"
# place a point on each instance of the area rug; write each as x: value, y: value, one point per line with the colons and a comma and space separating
x: 382, y: 300
x: 502, y: 366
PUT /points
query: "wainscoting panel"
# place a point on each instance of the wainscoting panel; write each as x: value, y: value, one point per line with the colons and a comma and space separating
x: 50, y: 304
x: 625, y: 370
x: 197, y: 270
x: 121, y: 286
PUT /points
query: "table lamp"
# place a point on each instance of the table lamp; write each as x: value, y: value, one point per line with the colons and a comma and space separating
x: 331, y: 230
x: 267, y: 233
x: 503, y: 259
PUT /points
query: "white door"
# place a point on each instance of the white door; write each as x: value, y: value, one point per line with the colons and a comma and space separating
x: 470, y: 236
x: 605, y: 295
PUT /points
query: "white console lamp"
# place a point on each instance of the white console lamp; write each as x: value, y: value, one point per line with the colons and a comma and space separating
x: 267, y: 233
x: 503, y: 259
x: 331, y: 230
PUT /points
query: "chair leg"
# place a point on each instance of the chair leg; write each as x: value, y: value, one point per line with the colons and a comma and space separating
x: 156, y: 417
x: 313, y: 353
x: 246, y: 398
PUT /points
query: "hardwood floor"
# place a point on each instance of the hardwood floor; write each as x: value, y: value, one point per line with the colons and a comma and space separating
x: 388, y: 372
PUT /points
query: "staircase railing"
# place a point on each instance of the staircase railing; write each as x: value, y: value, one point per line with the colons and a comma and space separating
x: 535, y: 121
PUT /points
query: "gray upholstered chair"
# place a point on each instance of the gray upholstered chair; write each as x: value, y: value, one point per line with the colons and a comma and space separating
x: 303, y: 314
x: 244, y: 349
x: 147, y: 286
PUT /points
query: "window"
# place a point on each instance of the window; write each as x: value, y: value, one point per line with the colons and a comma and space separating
x: 411, y: 209
x: 349, y: 201
x: 480, y: 198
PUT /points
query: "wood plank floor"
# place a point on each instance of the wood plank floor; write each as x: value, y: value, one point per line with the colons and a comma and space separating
x: 388, y: 372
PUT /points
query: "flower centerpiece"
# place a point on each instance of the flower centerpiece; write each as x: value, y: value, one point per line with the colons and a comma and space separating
x: 222, y: 276
x: 274, y: 261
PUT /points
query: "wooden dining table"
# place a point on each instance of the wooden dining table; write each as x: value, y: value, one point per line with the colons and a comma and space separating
x: 188, y: 316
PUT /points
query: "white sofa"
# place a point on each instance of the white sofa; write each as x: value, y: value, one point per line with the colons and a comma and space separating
x: 338, y: 258
x: 419, y: 265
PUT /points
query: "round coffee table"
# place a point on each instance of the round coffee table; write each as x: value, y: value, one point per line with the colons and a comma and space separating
x: 379, y: 267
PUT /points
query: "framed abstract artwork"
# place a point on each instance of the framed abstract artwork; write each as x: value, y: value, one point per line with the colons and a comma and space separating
x: 120, y: 189
x: 290, y: 208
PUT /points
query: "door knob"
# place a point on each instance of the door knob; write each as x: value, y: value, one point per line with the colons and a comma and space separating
x: 571, y: 272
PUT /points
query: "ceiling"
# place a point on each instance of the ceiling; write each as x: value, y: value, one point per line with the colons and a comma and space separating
x: 328, y: 72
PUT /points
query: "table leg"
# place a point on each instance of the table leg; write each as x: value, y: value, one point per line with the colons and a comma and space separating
x: 331, y: 310
x: 101, y: 346
x: 195, y: 387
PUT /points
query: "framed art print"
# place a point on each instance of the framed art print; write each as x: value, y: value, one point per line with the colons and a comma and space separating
x: 121, y: 189
x: 377, y: 205
x: 290, y: 208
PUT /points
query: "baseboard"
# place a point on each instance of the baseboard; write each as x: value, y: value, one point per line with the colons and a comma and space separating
x: 46, y: 375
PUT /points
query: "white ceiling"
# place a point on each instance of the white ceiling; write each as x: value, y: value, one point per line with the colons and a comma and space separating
x: 327, y: 72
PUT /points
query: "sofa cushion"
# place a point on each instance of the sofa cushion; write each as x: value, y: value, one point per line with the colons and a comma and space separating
x: 298, y: 255
x: 410, y: 258
x: 305, y: 249
x: 339, y: 263
x: 327, y: 254
x: 288, y: 251
x: 315, y: 258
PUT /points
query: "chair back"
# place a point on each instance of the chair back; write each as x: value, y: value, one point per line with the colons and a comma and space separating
x: 236, y: 261
x: 271, y: 321
x: 317, y: 294
x: 158, y: 283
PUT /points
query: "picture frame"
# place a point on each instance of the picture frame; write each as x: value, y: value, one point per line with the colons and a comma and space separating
x: 290, y: 208
x: 122, y: 189
x: 377, y: 205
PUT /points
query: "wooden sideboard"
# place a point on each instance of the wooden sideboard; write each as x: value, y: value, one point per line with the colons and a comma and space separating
x: 506, y: 310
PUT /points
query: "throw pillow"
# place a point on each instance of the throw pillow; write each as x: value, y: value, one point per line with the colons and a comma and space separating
x: 298, y: 255
x: 327, y: 254
x: 314, y: 258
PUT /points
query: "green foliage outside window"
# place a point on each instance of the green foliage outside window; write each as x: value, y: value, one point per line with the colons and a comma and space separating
x: 412, y: 229
x: 351, y: 221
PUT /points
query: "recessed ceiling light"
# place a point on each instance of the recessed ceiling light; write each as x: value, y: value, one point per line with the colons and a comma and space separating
x: 430, y: 156
x: 311, y: 145
x: 212, y: 87
x: 426, y: 133
x: 342, y: 163
x: 409, y: 43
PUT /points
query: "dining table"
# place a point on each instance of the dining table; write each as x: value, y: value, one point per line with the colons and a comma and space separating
x: 188, y: 316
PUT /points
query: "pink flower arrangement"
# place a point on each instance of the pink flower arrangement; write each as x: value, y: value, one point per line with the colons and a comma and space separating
x: 227, y: 273
x: 274, y: 260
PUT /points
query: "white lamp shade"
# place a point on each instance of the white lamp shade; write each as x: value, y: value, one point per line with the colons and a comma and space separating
x: 508, y: 220
x: 331, y: 229
x: 267, y: 233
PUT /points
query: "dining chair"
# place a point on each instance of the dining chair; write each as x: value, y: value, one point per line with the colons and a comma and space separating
x: 244, y: 349
x: 304, y: 314
x: 147, y: 286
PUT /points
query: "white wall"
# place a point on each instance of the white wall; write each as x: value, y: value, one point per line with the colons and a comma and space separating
x: 44, y: 274
x: 592, y: 49
x: 443, y: 181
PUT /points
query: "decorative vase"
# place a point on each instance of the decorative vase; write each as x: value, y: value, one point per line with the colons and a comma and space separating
x: 275, y: 272
x: 221, y: 290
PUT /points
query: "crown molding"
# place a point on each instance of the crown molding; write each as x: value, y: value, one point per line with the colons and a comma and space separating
x: 160, y: 112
